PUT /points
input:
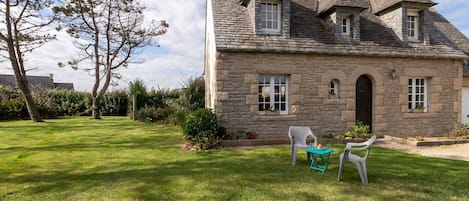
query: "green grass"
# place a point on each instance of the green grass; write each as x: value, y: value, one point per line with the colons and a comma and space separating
x: 117, y: 159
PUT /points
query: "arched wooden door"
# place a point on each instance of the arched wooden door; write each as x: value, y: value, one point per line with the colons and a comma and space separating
x: 364, y: 100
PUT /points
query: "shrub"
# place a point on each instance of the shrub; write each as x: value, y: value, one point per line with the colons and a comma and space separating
x: 359, y: 131
x: 201, y: 129
x: 328, y: 136
x: 114, y: 103
x: 145, y: 114
x: 46, y: 106
x: 162, y: 114
x: 461, y: 132
x: 13, y: 109
x: 71, y: 103
x: 177, y: 118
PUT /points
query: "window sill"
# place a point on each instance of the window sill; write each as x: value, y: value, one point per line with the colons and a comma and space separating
x: 277, y: 117
x: 417, y: 115
x: 270, y: 33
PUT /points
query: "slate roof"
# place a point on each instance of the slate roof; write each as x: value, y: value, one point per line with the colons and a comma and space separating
x: 327, y: 5
x: 63, y: 86
x: 37, y: 82
x: 380, y: 5
x: 234, y: 31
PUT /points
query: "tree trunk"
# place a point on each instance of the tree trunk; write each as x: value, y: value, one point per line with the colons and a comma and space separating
x: 28, y: 98
x: 134, y: 107
x: 16, y: 60
x: 95, y: 108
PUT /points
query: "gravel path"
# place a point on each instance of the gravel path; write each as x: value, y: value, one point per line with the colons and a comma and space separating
x: 455, y: 152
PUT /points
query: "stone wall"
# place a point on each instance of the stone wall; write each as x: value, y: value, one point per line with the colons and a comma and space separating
x: 309, y: 104
x: 466, y: 81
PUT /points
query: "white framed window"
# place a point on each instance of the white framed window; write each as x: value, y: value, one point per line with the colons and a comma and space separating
x: 418, y: 95
x: 273, y: 94
x: 346, y: 25
x: 334, y: 89
x: 270, y: 15
x: 413, y: 26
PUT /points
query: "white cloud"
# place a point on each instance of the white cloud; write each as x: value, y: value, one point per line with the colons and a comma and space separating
x: 182, y: 48
x: 181, y: 54
x: 455, y: 11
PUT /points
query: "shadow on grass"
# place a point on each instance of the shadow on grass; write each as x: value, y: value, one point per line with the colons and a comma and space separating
x: 103, y: 142
x: 266, y: 174
x: 126, y: 160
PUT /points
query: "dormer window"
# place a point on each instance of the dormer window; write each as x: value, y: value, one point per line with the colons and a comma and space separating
x: 412, y: 26
x: 270, y: 12
x: 346, y: 26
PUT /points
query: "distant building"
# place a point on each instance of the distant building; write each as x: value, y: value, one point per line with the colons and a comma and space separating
x: 36, y: 82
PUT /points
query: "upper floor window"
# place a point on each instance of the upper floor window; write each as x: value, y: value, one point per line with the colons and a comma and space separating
x: 273, y: 93
x: 413, y: 26
x: 270, y: 12
x: 346, y: 25
x: 418, y: 95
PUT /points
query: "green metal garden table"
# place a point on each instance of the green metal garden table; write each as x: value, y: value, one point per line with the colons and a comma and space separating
x: 323, y: 154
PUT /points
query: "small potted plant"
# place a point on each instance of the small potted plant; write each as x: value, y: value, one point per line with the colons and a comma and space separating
x: 419, y: 108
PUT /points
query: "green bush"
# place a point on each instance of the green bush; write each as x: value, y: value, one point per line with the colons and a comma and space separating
x: 145, y: 114
x: 201, y: 129
x: 71, y: 103
x: 177, y: 118
x: 13, y: 109
x: 359, y: 131
x: 114, y: 103
x: 162, y: 114
x: 45, y: 105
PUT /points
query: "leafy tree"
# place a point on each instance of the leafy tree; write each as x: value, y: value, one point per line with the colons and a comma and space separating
x: 24, y: 28
x: 109, y: 33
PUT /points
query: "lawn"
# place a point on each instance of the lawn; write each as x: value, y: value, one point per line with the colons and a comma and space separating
x: 117, y: 159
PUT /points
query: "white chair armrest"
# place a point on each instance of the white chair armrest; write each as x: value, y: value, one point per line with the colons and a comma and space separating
x: 356, y: 149
x: 355, y: 144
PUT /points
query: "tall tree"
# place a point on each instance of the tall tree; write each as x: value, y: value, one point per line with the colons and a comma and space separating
x: 109, y: 33
x: 25, y: 28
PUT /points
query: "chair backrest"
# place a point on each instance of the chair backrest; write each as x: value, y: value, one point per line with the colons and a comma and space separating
x: 370, y: 142
x: 299, y: 134
x: 363, y: 146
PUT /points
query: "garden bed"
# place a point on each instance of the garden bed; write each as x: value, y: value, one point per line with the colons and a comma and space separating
x: 428, y: 141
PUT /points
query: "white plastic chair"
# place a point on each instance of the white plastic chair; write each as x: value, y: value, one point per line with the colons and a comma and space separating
x: 360, y: 162
x: 298, y: 136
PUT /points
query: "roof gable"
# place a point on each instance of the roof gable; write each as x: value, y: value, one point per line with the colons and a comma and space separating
x: 325, y: 6
x: 379, y: 6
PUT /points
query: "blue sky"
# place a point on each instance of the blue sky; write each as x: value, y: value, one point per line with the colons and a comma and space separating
x: 181, y: 54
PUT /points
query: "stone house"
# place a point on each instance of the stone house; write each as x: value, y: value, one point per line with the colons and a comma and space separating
x: 392, y: 64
